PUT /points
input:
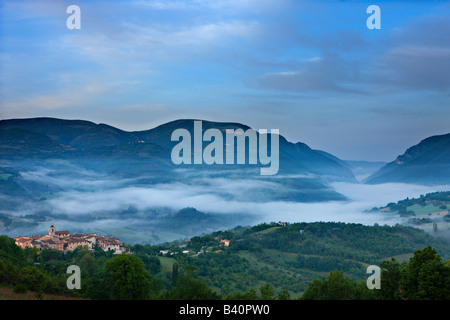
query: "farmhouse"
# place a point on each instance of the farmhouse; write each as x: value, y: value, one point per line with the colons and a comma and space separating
x: 64, y: 241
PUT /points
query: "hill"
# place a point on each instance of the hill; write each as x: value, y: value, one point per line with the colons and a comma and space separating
x: 289, y: 257
x: 427, y: 163
x: 79, y: 134
x: 429, y: 212
x: 277, y: 259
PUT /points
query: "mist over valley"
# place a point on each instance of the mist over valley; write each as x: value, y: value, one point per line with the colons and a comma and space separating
x: 84, y: 177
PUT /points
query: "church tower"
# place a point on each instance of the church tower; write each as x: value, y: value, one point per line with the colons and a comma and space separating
x: 51, y: 231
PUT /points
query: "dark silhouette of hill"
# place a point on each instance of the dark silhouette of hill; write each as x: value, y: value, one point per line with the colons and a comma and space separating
x: 428, y: 163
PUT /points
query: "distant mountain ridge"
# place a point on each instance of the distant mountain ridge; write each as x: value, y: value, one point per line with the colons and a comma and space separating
x: 304, y: 173
x: 76, y: 133
x: 428, y: 162
x: 70, y: 135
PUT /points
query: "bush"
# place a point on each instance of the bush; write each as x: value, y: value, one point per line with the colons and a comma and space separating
x: 21, y: 288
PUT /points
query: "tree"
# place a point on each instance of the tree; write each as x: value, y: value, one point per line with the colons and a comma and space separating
x: 284, y: 295
x: 434, y: 281
x: 9, y: 273
x: 425, y: 277
x: 266, y: 292
x: 96, y: 289
x: 390, y: 277
x: 333, y: 287
x: 249, y: 295
x: 9, y: 251
x: 189, y: 288
x: 127, y: 279
x: 33, y: 278
x: 47, y: 255
x: 152, y: 264
x: 87, y: 265
x: 174, y: 276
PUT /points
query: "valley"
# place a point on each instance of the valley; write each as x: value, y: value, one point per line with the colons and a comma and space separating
x: 91, y: 177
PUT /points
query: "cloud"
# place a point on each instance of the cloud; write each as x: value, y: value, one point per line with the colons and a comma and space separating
x: 205, y: 4
x: 162, y: 5
x: 416, y: 56
x: 80, y: 94
x: 75, y: 203
x: 85, y: 201
x: 326, y: 73
x: 413, y: 56
x: 152, y: 43
x: 417, y: 67
x: 100, y: 194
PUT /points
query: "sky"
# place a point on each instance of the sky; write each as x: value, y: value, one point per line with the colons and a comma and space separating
x: 312, y: 69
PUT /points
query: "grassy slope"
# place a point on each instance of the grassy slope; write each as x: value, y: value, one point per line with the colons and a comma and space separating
x: 9, y: 294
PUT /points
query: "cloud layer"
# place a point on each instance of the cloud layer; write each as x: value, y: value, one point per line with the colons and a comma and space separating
x: 107, y: 197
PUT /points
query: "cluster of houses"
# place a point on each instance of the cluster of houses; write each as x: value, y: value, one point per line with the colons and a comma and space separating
x: 64, y: 241
x: 223, y: 242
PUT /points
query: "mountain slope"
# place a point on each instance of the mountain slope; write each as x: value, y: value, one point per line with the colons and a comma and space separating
x: 18, y: 143
x: 295, y: 158
x: 73, y: 150
x: 84, y: 140
x: 79, y: 134
x: 428, y: 162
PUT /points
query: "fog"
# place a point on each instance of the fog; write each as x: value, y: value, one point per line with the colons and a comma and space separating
x: 91, y: 195
x: 222, y: 195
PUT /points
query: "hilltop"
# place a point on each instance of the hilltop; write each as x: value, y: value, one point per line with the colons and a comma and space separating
x: 428, y: 162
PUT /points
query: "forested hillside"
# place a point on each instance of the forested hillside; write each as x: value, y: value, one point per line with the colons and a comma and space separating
x: 290, y: 257
x: 267, y: 261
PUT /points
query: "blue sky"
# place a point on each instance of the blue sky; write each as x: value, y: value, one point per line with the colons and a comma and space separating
x: 311, y: 69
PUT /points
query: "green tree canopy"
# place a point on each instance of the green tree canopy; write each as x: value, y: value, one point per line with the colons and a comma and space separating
x: 333, y: 287
x: 190, y: 288
x: 127, y: 279
x: 425, y: 277
x: 33, y: 278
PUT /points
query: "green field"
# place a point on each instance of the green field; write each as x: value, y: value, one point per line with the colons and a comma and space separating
x: 166, y: 264
x: 422, y: 210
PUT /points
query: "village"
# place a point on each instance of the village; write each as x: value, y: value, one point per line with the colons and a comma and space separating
x: 64, y: 241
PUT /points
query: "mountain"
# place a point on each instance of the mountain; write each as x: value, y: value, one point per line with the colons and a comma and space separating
x: 363, y: 169
x: 81, y: 175
x: 304, y: 172
x: 426, y: 163
x: 78, y: 134
x: 84, y: 139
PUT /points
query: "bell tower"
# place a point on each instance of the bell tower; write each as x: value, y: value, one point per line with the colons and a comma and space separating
x: 51, y: 231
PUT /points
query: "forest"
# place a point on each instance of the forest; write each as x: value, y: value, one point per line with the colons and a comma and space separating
x: 305, y: 261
